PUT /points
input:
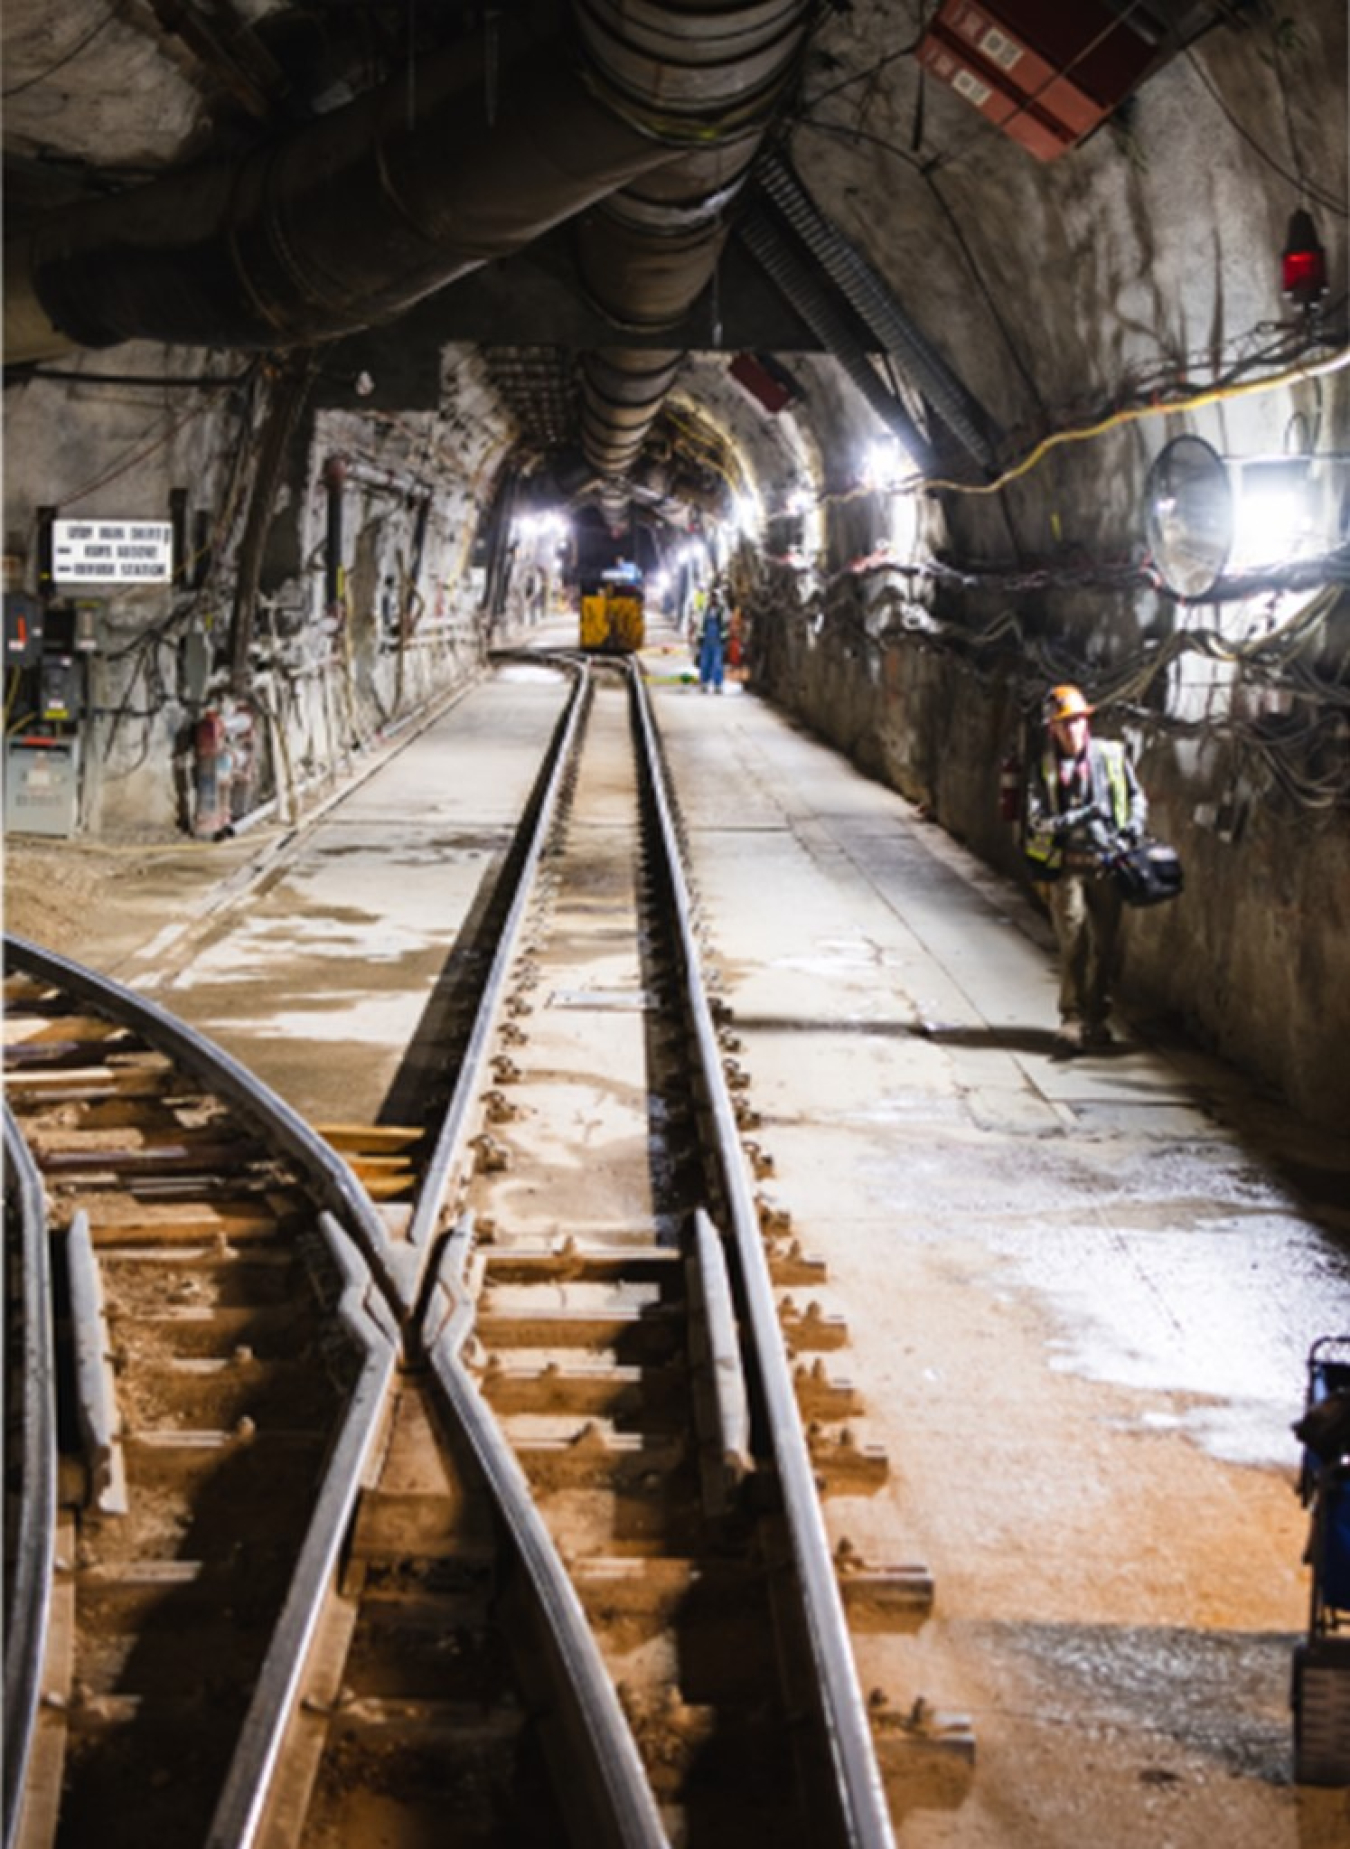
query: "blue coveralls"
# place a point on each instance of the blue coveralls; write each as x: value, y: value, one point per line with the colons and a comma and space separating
x: 712, y: 642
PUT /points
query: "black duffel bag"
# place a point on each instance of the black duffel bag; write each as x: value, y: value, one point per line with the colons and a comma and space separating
x: 1147, y: 874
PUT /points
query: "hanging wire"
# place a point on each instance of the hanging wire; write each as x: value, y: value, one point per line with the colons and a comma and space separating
x: 60, y: 64
x: 1305, y: 187
x: 1291, y: 375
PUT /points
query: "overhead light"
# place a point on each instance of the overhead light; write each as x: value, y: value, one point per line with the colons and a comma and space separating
x: 1209, y: 515
x: 1303, y: 266
x: 886, y: 465
x: 1276, y: 512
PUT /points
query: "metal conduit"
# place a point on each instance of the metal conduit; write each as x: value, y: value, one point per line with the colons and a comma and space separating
x: 341, y: 225
x: 704, y: 79
x: 873, y: 302
x: 801, y: 286
x: 619, y: 387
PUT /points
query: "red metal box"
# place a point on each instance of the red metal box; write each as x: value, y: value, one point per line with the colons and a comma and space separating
x: 1063, y: 67
x: 996, y: 100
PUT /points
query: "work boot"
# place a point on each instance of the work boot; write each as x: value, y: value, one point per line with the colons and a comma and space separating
x: 1070, y: 1037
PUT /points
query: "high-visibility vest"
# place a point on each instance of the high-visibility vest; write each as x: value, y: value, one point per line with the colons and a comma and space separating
x: 1106, y: 762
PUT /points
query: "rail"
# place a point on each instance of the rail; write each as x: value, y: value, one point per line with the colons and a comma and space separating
x: 31, y: 1539
x: 219, y: 1072
x: 369, y: 1326
x: 865, y: 1819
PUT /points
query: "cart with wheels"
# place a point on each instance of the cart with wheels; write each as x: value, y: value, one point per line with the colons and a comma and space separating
x: 1321, y: 1683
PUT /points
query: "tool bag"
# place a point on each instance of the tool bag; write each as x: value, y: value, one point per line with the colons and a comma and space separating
x: 1148, y: 874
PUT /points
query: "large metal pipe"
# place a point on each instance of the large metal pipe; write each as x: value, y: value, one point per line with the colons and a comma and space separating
x: 619, y: 387
x: 341, y: 225
x: 705, y: 79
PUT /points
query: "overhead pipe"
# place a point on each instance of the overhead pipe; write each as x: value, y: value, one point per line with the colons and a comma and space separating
x: 704, y: 79
x: 619, y: 387
x: 338, y: 226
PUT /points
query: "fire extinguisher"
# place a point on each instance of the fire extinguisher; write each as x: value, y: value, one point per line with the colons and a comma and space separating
x: 212, y: 774
x: 1010, y: 788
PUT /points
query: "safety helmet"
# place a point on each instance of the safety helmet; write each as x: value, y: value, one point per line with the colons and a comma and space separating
x: 1065, y: 702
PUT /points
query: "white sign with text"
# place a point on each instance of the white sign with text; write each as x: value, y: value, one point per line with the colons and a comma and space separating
x: 112, y: 551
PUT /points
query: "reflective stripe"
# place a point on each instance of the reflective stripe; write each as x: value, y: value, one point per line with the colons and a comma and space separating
x: 1040, y: 846
x: 1114, y: 757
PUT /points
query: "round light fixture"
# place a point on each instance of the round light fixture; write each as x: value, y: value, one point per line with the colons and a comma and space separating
x: 1188, y: 504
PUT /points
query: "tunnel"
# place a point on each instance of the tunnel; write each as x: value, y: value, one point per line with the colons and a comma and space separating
x: 963, y: 352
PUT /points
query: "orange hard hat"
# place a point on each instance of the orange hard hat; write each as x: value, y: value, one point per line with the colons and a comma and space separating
x: 1065, y: 702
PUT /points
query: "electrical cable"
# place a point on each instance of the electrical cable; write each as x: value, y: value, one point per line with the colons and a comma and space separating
x: 1291, y: 375
x: 869, y: 70
x: 1301, y: 185
x: 199, y: 382
x: 60, y: 64
x: 1272, y: 659
x: 859, y: 134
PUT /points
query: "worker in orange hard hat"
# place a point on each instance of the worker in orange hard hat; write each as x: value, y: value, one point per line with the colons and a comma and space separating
x: 1065, y: 702
x: 1083, y: 802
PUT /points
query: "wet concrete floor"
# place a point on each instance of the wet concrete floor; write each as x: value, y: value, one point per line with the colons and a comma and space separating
x: 1079, y: 1295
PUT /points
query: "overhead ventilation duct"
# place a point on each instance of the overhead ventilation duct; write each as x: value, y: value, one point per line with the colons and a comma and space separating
x: 878, y: 309
x: 620, y: 386
x: 703, y: 79
x: 340, y: 225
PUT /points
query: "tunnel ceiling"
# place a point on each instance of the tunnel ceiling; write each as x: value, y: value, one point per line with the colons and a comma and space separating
x: 99, y: 100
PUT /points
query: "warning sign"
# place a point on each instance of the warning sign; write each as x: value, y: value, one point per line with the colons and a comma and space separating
x: 112, y: 551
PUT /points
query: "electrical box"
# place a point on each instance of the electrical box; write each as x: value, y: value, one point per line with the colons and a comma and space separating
x: 59, y: 696
x: 1044, y: 73
x: 42, y: 785
x: 763, y: 380
x: 23, y: 630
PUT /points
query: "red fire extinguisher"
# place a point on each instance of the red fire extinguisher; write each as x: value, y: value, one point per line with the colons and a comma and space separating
x: 212, y: 774
x: 1010, y: 788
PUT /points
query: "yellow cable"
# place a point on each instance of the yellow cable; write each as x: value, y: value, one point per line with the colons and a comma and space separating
x: 1214, y: 395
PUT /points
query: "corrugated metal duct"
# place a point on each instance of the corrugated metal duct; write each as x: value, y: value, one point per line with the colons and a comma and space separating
x: 340, y: 225
x: 704, y: 79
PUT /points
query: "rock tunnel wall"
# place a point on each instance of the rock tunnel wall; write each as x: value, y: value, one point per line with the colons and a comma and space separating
x: 335, y: 659
x: 1253, y: 960
x: 1114, y: 290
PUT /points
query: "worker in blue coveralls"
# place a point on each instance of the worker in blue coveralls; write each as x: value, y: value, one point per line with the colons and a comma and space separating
x: 712, y: 641
x: 1082, y: 800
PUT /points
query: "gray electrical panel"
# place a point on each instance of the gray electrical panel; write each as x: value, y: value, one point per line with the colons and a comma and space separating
x: 42, y: 785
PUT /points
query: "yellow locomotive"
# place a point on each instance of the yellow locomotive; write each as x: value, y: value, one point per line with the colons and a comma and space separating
x: 612, y: 616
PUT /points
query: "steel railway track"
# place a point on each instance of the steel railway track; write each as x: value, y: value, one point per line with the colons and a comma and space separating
x: 558, y: 1571
x: 214, y: 1330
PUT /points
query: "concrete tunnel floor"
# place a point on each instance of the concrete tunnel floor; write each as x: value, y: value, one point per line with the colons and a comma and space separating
x: 1079, y: 1295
